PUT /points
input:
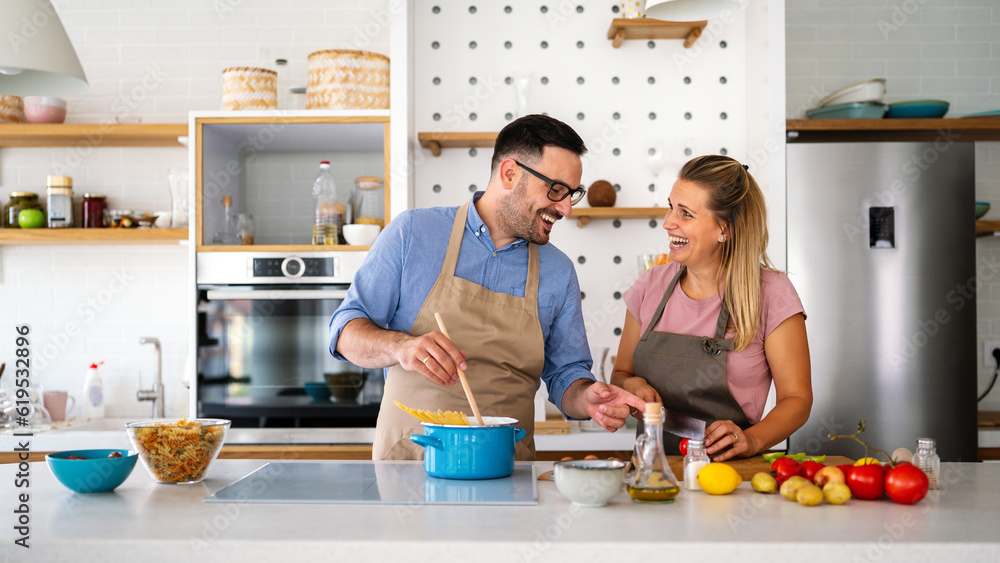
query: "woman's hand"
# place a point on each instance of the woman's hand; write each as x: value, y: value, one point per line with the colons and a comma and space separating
x: 723, y: 434
x: 642, y: 389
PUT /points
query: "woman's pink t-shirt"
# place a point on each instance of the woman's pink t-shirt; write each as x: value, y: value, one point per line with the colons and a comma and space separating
x: 747, y: 371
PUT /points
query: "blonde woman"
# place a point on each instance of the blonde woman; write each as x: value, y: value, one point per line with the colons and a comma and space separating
x: 707, y: 333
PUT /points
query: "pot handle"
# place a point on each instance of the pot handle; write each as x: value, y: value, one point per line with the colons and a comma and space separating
x: 427, y: 441
x: 519, y: 434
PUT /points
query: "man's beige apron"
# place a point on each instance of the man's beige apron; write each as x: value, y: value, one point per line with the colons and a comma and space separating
x: 502, y: 336
x: 689, y: 372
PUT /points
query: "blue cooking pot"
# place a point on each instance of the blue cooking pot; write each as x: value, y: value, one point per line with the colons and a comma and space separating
x: 470, y: 452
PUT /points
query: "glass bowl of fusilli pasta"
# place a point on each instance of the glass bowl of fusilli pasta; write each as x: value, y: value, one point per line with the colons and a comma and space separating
x: 178, y: 451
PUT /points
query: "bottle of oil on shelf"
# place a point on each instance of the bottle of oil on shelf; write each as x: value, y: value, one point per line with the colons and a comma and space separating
x: 651, y: 479
x: 333, y: 208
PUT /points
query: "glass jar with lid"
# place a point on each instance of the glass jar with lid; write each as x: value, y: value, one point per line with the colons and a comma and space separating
x: 93, y: 209
x: 60, y: 201
x: 369, y: 201
x: 18, y: 201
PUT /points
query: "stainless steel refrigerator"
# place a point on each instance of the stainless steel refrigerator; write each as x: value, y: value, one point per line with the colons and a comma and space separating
x: 881, y: 249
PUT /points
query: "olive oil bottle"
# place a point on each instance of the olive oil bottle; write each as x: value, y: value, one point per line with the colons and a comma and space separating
x: 651, y: 479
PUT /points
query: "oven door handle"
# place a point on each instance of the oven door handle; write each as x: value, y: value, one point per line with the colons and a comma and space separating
x: 282, y: 294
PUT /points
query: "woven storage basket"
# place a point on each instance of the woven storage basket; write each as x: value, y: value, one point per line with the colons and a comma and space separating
x: 340, y: 79
x: 11, y: 109
x: 246, y: 87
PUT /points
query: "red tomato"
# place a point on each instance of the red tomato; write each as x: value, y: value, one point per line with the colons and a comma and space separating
x: 866, y: 482
x: 846, y: 468
x: 809, y: 469
x: 785, y: 467
x: 906, y: 484
x: 684, y: 446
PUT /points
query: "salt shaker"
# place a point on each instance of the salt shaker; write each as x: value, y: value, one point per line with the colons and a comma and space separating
x: 695, y: 459
x: 927, y: 459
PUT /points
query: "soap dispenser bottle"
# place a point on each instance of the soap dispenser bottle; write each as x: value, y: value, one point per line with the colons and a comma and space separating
x: 93, y: 393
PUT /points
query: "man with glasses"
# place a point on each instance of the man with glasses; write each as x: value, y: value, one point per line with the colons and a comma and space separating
x: 510, y: 301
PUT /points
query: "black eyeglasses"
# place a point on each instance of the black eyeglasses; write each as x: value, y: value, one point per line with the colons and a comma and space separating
x: 558, y: 191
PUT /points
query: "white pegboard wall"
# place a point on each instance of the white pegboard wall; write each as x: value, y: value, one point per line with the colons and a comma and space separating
x: 644, y: 97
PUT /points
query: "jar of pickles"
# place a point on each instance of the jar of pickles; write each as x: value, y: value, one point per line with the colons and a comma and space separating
x: 18, y: 201
x: 94, y: 206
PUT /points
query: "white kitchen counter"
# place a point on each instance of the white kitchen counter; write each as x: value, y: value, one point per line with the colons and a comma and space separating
x: 170, y: 523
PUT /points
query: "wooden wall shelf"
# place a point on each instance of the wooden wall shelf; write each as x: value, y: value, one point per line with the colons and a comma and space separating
x: 279, y: 248
x: 952, y: 130
x: 583, y: 215
x: 649, y: 28
x: 13, y: 237
x: 437, y: 141
x: 985, y: 228
x: 35, y: 135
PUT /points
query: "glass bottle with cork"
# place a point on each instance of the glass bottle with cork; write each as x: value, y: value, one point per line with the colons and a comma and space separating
x: 59, y: 201
x: 651, y: 479
x: 227, y: 231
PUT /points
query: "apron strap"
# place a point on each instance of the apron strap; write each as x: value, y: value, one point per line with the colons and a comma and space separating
x: 531, y: 285
x: 711, y: 345
x: 663, y: 302
x: 455, y: 241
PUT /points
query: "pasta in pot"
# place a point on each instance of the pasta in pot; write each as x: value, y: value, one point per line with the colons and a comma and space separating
x: 178, y: 452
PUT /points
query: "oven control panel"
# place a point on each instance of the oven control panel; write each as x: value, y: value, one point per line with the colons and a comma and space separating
x: 293, y: 267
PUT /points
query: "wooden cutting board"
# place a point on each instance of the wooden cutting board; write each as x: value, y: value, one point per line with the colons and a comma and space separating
x: 749, y: 467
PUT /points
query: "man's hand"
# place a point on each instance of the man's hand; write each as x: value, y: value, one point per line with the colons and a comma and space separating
x: 642, y: 389
x: 434, y: 356
x: 610, y: 405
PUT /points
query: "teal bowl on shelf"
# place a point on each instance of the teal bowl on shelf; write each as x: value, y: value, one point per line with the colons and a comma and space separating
x: 318, y: 391
x: 918, y: 109
x: 95, y: 473
x: 982, y: 208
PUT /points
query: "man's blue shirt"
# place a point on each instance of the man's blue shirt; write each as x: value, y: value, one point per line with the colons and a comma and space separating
x: 397, y: 275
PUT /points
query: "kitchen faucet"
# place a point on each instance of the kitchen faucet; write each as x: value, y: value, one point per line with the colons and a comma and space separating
x: 156, y: 393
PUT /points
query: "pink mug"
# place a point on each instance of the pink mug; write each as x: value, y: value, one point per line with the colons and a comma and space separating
x: 55, y: 403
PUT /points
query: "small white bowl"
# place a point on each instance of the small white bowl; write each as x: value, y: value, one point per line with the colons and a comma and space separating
x: 869, y: 91
x: 589, y: 482
x: 361, y: 235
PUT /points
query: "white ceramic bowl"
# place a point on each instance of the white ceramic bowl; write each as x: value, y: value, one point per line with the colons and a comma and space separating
x: 361, y: 235
x: 589, y: 482
x: 869, y: 91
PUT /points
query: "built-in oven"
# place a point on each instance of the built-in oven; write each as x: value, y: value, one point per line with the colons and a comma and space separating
x: 263, y: 335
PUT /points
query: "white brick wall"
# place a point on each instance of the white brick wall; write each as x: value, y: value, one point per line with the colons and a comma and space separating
x: 180, y: 48
x: 925, y: 49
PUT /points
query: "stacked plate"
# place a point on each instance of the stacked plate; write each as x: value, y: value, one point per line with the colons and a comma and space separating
x: 864, y: 100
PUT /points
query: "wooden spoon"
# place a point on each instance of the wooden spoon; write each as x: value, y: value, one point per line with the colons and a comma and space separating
x: 461, y: 376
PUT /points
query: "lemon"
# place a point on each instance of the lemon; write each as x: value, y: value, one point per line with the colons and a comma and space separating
x: 718, y: 479
x: 867, y: 461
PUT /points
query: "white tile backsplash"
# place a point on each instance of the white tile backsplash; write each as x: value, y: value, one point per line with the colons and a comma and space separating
x: 179, y: 48
x: 931, y: 49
